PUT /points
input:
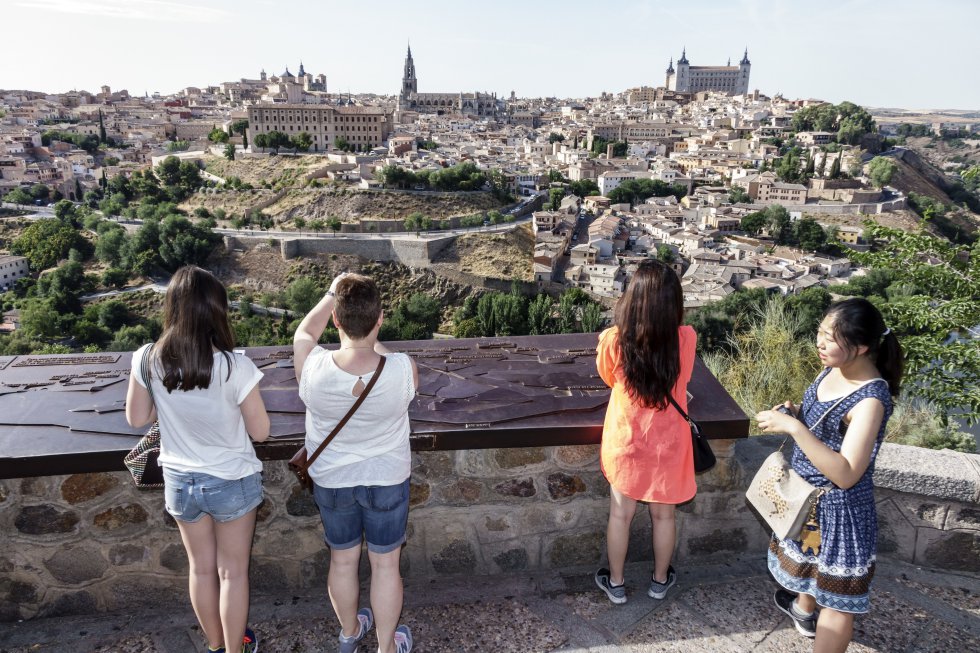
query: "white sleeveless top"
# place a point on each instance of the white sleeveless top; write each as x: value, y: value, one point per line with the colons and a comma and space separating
x: 373, y: 447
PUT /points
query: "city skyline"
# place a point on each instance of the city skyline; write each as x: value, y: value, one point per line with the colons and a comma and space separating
x: 550, y: 49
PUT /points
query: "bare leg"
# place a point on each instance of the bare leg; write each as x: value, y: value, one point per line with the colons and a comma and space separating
x: 621, y: 511
x: 343, y: 587
x: 834, y: 631
x: 386, y: 596
x: 806, y: 603
x: 234, y: 540
x: 664, y: 538
x: 202, y: 581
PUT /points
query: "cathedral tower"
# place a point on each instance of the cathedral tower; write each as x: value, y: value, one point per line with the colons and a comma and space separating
x: 410, y: 85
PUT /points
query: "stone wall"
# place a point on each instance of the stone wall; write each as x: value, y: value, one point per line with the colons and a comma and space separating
x: 91, y: 542
x: 411, y: 251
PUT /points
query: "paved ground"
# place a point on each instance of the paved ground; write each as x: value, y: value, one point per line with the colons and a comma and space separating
x: 713, y: 608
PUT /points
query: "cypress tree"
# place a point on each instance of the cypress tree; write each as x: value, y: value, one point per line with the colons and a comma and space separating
x: 102, y: 138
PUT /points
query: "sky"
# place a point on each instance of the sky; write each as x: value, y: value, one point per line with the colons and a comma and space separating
x: 901, y: 53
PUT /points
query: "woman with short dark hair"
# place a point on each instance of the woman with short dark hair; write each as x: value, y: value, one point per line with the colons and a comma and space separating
x: 361, y: 478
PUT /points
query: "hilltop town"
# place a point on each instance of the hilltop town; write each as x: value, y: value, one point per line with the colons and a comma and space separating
x: 735, y: 188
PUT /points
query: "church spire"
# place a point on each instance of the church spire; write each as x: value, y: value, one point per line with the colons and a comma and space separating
x: 745, y: 58
x: 683, y: 59
x: 670, y: 68
x: 409, y: 82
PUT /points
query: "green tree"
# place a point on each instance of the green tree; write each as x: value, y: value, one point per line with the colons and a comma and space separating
x: 239, y: 126
x: 738, y: 195
x: 18, y: 196
x: 46, y: 241
x: 666, y: 254
x: 753, y: 223
x: 230, y: 151
x: 835, y: 166
x: 809, y: 234
x: 40, y: 192
x: 881, y: 170
x: 218, y: 135
x: 943, y: 370
x: 114, y: 315
x: 110, y: 244
x: 556, y: 195
x: 335, y: 224
x: 102, y: 134
x: 302, y: 141
x: 540, y: 315
x: 556, y: 137
x: 592, y: 318
x: 302, y: 294
x: 277, y: 139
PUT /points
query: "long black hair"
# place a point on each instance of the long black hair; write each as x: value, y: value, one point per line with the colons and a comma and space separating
x: 648, y: 316
x: 195, y: 323
x: 857, y: 322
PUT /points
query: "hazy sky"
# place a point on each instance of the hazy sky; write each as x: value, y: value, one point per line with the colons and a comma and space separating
x: 895, y: 53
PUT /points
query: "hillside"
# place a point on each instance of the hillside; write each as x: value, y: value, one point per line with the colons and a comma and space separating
x: 499, y: 256
x: 322, y: 198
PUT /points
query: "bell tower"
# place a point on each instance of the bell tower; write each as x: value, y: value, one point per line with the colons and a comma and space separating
x: 410, y: 84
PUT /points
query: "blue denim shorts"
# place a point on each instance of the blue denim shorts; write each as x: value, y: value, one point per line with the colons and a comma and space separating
x: 378, y: 512
x: 191, y: 495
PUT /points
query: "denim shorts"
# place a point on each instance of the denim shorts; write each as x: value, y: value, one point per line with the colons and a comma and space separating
x: 379, y: 512
x: 191, y: 495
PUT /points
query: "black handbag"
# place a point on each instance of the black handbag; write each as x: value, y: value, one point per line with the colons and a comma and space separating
x: 143, y: 460
x: 704, y: 457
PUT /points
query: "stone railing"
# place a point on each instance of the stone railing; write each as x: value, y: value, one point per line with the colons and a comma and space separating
x: 91, y: 542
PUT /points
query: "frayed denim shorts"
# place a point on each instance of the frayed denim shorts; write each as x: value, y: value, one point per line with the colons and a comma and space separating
x: 379, y: 513
x: 191, y: 495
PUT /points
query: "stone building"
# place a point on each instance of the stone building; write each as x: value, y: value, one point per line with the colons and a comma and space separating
x: 362, y: 127
x: 730, y: 79
x: 470, y: 104
x: 12, y: 268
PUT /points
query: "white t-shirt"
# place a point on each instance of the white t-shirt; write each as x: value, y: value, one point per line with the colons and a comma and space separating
x: 203, y: 430
x: 373, y: 447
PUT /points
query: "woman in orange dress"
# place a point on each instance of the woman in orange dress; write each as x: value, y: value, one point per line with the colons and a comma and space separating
x: 646, y: 452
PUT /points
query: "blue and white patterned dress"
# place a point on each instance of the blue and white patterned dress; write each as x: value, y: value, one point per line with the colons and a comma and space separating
x: 839, y: 577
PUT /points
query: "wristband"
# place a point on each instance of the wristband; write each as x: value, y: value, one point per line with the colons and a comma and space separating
x: 330, y: 293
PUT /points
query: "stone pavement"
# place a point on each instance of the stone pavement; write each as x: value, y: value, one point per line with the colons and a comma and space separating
x: 726, y: 607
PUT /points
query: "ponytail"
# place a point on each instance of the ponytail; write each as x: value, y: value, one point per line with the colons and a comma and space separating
x: 890, y: 363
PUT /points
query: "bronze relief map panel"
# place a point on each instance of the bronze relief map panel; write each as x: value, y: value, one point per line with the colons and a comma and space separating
x: 65, y: 413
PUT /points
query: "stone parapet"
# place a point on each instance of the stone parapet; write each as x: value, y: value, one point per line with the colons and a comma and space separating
x: 91, y: 542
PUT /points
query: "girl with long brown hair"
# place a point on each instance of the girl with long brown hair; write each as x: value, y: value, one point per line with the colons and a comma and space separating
x: 206, y: 399
x: 646, y: 453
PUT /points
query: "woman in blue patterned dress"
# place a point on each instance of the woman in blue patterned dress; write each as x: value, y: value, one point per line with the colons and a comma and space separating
x: 837, y: 431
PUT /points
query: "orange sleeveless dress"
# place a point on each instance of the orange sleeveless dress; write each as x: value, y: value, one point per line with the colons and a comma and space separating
x: 646, y: 454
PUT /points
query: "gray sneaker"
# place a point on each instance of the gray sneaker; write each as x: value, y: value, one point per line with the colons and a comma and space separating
x: 403, y: 639
x: 616, y: 593
x: 659, y: 590
x: 365, y: 619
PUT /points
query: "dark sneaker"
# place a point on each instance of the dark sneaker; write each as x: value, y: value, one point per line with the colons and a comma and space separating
x: 616, y: 593
x: 659, y: 590
x: 365, y: 619
x: 250, y: 643
x: 805, y: 624
x: 403, y: 639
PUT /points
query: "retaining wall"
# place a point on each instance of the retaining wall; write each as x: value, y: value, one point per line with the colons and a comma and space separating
x: 91, y: 542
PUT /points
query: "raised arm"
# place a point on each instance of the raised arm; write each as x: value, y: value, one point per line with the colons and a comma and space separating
x: 311, y: 328
x: 843, y: 469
